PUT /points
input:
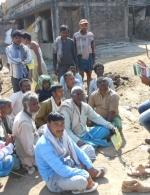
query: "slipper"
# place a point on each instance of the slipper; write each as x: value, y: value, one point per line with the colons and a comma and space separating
x: 139, y: 171
x: 135, y: 186
x: 93, y: 188
x: 100, y: 170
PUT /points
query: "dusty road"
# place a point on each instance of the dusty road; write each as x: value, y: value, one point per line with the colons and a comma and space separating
x: 132, y: 92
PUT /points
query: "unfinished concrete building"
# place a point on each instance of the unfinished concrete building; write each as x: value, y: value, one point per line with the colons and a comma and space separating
x: 108, y: 19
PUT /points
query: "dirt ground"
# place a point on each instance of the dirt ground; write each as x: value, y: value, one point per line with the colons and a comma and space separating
x: 133, y: 152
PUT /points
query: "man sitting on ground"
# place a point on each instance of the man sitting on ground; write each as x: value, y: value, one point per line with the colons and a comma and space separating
x: 6, y: 160
x: 25, y: 131
x: 70, y: 82
x: 99, y: 71
x: 16, y: 98
x: 106, y: 102
x: 77, y: 76
x: 61, y: 163
x: 45, y: 82
x: 52, y: 104
x: 6, y: 109
x: 76, y: 113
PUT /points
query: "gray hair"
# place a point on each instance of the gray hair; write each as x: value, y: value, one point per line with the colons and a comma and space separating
x: 28, y: 97
x: 75, y: 88
x: 101, y: 78
x: 4, y: 102
x: 69, y: 73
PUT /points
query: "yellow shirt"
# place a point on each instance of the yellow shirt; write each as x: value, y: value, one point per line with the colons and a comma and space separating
x: 103, y: 105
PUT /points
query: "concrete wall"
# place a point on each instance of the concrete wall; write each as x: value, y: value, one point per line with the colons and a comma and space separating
x: 5, y: 26
x: 108, y: 19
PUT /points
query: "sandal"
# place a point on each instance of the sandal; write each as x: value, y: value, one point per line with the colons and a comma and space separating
x: 102, y: 171
x: 93, y: 188
x: 141, y: 170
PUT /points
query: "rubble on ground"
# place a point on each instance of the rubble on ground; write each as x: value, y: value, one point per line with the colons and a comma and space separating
x: 117, y: 79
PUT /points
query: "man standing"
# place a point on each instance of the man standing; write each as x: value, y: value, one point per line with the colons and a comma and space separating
x: 84, y: 41
x: 105, y: 102
x: 47, y: 106
x: 16, y: 98
x: 59, y: 160
x: 19, y: 57
x: 99, y: 71
x: 36, y: 53
x: 64, y: 52
x: 77, y: 76
x: 25, y: 131
x: 76, y: 113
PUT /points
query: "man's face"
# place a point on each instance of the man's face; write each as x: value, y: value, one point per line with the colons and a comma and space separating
x: 46, y: 85
x: 83, y: 26
x: 56, y: 128
x: 70, y: 80
x: 73, y: 69
x: 25, y: 41
x: 32, y: 107
x: 64, y: 34
x: 17, y: 40
x: 26, y: 86
x: 78, y: 96
x: 99, y: 71
x: 59, y: 93
x: 102, y: 84
x: 7, y: 109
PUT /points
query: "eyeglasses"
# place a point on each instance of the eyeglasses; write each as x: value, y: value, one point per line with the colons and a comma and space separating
x: 79, y: 94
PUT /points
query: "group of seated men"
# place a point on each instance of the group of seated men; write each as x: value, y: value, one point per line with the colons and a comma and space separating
x: 63, y: 147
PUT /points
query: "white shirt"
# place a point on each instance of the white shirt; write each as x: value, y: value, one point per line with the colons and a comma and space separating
x: 16, y: 102
x: 80, y: 119
x: 93, y: 85
x: 76, y: 76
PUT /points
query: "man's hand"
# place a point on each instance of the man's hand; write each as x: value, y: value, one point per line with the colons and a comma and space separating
x: 112, y: 131
x: 56, y: 72
x: 10, y: 139
x: 90, y: 183
x: 39, y: 71
x: 140, y: 62
x: 80, y: 143
x: 145, y: 80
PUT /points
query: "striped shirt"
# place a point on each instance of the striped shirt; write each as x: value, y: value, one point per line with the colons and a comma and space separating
x: 15, y: 55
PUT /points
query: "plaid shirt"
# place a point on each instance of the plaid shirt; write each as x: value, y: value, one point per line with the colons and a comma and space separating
x: 15, y: 55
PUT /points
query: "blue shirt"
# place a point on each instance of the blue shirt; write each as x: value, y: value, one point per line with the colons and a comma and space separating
x: 49, y: 163
x: 43, y: 95
x: 18, y: 57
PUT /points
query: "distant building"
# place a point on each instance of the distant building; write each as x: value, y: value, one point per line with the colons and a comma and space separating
x: 108, y: 18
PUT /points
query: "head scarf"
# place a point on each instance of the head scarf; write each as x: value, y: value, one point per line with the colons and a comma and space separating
x: 45, y: 78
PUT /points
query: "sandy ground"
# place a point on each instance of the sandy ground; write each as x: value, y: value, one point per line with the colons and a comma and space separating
x: 132, y: 92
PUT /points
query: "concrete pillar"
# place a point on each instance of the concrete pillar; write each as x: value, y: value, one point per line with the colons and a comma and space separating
x: 25, y: 23
x: 87, y: 12
x: 126, y: 20
x: 55, y: 22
